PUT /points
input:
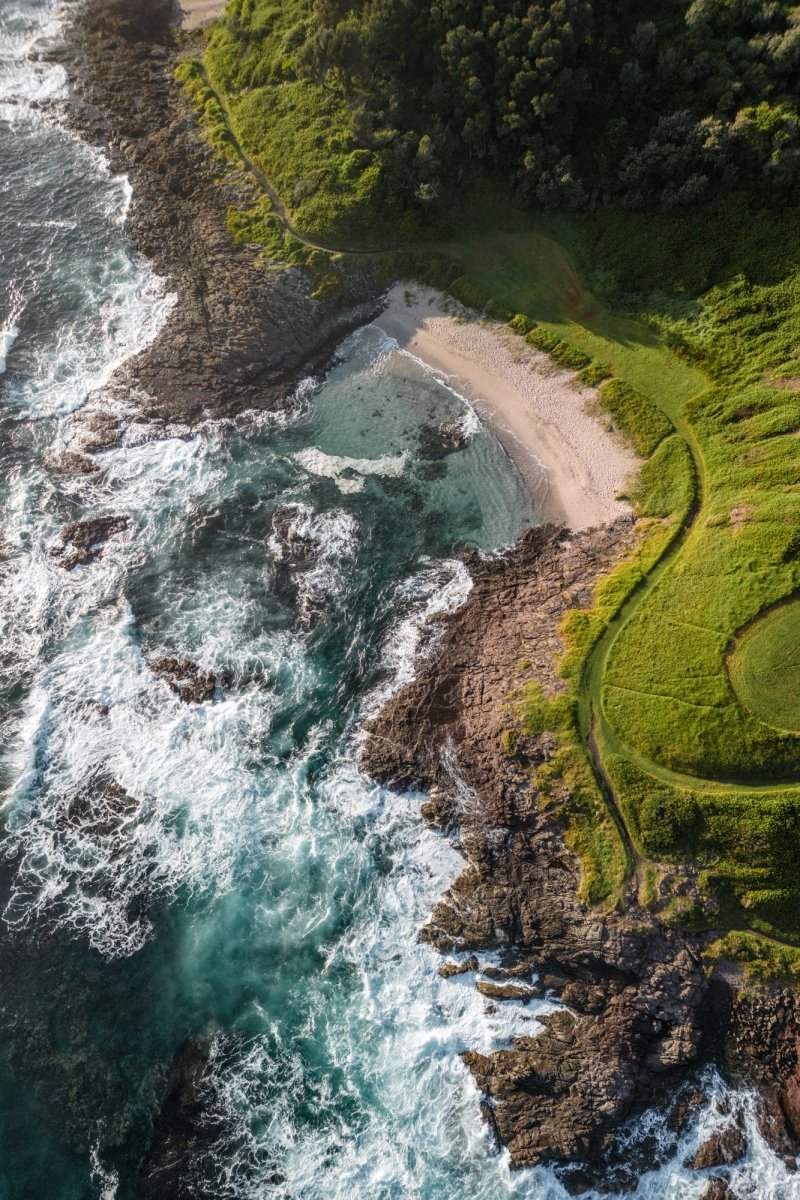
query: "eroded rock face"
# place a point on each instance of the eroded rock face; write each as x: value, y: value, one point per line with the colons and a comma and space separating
x: 240, y: 335
x: 721, y: 1149
x: 81, y: 542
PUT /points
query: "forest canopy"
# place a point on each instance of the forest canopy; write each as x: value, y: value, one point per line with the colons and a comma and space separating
x: 576, y: 103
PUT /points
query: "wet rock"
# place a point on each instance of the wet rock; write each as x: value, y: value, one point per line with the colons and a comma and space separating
x: 290, y: 528
x: 487, y: 1112
x: 448, y: 969
x: 507, y: 991
x: 721, y: 1149
x: 762, y: 1048
x: 523, y: 970
x: 440, y: 811
x: 191, y: 684
x: 296, y: 549
x: 97, y: 430
x: 436, y: 442
x: 70, y: 462
x: 82, y: 542
x: 718, y: 1189
x: 685, y: 1109
x: 101, y: 809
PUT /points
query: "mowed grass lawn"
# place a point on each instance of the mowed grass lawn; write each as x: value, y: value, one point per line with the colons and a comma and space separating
x: 765, y: 667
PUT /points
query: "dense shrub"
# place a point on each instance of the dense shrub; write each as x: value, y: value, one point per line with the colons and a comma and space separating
x: 636, y: 415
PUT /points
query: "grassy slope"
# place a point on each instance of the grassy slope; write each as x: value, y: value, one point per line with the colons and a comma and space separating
x: 703, y: 383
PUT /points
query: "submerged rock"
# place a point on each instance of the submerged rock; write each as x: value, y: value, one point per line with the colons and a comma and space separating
x: 82, y: 542
x: 449, y: 969
x: 101, y: 809
x: 179, y: 1162
x: 437, y: 441
x: 186, y: 679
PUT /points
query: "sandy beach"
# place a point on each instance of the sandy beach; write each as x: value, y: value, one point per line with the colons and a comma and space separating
x: 199, y: 12
x: 537, y: 411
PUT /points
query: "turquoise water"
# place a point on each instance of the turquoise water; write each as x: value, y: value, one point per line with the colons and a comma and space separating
x: 220, y: 881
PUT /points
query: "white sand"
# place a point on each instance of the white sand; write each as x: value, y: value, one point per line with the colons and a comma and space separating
x: 536, y: 410
x: 199, y: 12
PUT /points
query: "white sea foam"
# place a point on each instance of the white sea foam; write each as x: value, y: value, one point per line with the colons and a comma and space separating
x: 330, y: 540
x: 105, y: 1181
x: 9, y: 329
x: 96, y: 862
x: 436, y: 590
x: 350, y: 474
x: 133, y: 306
x: 27, y: 80
x: 8, y: 336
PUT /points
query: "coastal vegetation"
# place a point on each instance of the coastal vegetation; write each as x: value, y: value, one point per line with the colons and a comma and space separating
x: 372, y: 114
x: 646, y: 236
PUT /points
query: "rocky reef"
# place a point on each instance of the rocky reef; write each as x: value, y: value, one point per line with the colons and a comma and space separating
x: 639, y: 1014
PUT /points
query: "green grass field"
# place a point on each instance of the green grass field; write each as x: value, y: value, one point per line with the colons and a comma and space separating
x: 673, y: 749
x: 764, y: 668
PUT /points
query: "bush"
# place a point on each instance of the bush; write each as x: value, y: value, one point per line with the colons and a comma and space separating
x: 666, y: 484
x: 636, y: 415
x: 594, y: 374
x: 560, y: 351
x: 521, y: 324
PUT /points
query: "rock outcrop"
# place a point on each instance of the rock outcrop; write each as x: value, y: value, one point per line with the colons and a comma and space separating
x: 763, y: 1048
x: 190, y: 682
x: 81, y: 542
x: 632, y: 989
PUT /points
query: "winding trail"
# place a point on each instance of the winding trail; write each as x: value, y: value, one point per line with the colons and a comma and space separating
x: 280, y: 210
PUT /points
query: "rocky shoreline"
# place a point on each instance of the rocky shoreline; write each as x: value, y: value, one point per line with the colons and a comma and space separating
x: 240, y: 335
x: 639, y: 1017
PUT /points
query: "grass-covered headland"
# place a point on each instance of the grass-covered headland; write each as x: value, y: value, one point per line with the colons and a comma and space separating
x: 620, y: 182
